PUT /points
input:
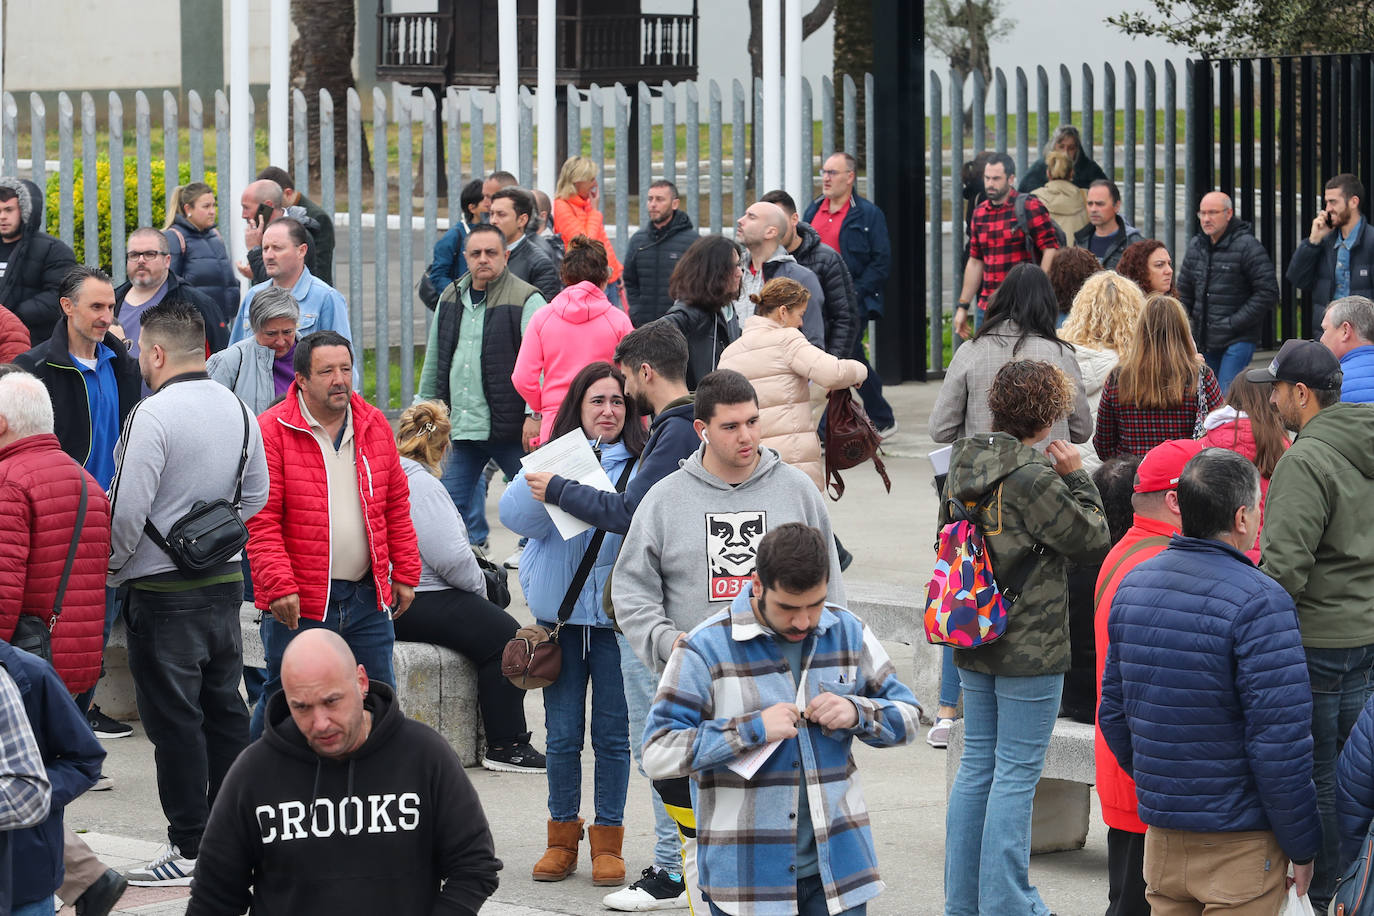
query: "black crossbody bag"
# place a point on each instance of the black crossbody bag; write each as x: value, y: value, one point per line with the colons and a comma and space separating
x: 211, y: 533
x: 32, y: 634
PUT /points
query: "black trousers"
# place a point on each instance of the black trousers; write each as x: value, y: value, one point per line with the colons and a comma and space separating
x: 186, y: 658
x: 1126, y: 873
x: 478, y: 630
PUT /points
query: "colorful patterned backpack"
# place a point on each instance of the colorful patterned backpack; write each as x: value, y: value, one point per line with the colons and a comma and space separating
x: 965, y: 608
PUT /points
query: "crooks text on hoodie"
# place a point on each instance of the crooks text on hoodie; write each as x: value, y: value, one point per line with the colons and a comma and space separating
x: 691, y: 547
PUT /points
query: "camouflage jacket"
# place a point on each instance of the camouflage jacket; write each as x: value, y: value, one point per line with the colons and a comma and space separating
x: 1027, y: 503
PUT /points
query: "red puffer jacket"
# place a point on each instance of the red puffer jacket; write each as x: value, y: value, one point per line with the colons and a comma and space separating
x: 14, y: 336
x: 40, y: 491
x: 288, y: 545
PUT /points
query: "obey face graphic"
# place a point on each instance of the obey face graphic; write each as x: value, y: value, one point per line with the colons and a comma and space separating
x: 731, y: 541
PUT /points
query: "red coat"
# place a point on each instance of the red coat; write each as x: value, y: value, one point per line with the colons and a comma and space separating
x: 288, y: 545
x: 1238, y: 436
x: 1115, y: 787
x: 14, y: 336
x: 40, y: 491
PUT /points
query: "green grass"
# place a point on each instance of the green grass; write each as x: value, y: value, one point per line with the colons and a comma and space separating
x: 394, y: 374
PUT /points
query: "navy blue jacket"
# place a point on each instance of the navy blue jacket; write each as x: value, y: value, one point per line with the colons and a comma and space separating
x: 200, y: 259
x: 671, y: 439
x: 1205, y: 697
x: 449, y: 263
x: 1355, y: 785
x: 866, y: 251
x: 1313, y: 267
x: 72, y: 757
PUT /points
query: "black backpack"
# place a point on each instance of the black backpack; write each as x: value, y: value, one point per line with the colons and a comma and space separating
x: 1023, y: 223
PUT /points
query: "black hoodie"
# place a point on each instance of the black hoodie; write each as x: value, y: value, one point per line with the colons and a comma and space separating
x: 375, y: 833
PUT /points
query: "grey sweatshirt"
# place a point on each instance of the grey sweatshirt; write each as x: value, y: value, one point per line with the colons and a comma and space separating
x: 691, y: 548
x: 179, y: 446
x: 446, y: 560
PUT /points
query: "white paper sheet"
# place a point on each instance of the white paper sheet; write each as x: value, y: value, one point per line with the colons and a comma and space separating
x: 748, y: 763
x: 939, y: 459
x: 570, y: 457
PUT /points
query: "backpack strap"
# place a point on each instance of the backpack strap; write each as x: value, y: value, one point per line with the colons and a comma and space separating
x: 1154, y: 540
x: 1018, y: 205
x: 1010, y: 584
x: 180, y: 238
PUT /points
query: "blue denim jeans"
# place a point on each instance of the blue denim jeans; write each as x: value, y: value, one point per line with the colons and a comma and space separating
x: 1229, y: 362
x: 590, y: 656
x: 1007, y: 726
x: 949, y: 678
x: 43, y: 907
x: 463, y: 479
x: 1340, y: 686
x: 640, y: 686
x: 352, y: 613
x: 810, y: 900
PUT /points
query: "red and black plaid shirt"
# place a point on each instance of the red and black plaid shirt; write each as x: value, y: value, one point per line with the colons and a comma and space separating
x: 996, y: 239
x: 1124, y: 429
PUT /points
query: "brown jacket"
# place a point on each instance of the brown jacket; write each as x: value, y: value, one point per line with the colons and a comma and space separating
x: 780, y: 363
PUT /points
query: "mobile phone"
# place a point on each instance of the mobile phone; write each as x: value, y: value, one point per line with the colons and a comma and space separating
x: 265, y: 212
x: 1330, y: 221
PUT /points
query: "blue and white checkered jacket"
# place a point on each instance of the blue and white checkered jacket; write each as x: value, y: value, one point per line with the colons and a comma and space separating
x: 708, y: 712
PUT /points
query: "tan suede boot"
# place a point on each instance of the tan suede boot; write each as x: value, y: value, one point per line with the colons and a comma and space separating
x: 608, y: 867
x: 560, y: 859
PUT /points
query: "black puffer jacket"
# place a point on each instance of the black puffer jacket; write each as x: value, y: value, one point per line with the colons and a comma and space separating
x: 36, y: 266
x: 649, y: 261
x: 531, y: 263
x: 1228, y: 287
x: 841, y: 307
x: 708, y: 334
x: 216, y: 328
x: 201, y: 260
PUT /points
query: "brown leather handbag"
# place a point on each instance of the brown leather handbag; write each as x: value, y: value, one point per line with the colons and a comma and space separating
x: 850, y: 440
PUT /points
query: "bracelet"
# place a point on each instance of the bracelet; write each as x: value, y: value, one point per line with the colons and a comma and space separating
x: 961, y: 305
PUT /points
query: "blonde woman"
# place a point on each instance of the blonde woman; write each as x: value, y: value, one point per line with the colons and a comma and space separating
x: 781, y: 365
x: 1100, y: 326
x: 1066, y: 201
x: 1160, y: 391
x: 199, y: 256
x: 575, y: 213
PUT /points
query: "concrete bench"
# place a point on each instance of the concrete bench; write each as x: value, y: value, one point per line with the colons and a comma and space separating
x: 894, y: 613
x: 436, y: 686
x: 1063, y: 800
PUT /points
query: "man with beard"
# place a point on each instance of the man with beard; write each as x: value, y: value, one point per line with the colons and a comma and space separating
x: 334, y: 546
x: 1337, y: 257
x: 998, y: 241
x: 1317, y: 543
x: 151, y: 280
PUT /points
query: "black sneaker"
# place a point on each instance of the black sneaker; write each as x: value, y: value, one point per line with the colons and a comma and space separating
x: 518, y: 758
x: 656, y: 889
x: 105, y: 727
x: 101, y: 896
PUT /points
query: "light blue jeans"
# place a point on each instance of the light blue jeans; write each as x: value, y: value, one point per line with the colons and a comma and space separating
x: 640, y: 686
x: 949, y: 678
x: 1007, y: 726
x: 1229, y: 362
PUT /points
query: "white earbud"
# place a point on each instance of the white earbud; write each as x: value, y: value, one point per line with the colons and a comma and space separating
x: 704, y: 439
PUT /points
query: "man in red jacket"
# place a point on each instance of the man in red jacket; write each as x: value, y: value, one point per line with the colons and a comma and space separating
x: 1157, y: 518
x: 334, y: 546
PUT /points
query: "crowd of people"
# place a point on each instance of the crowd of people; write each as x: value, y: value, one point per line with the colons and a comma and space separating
x: 171, y: 450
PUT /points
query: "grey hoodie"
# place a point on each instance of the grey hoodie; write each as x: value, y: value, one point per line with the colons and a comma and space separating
x: 782, y: 264
x: 180, y: 445
x: 691, y: 547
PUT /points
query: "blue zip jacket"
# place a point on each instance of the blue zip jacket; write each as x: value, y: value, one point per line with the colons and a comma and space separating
x: 72, y: 757
x: 549, y: 562
x: 1355, y: 785
x: 1205, y: 697
x: 866, y: 251
x: 1357, y: 367
x: 449, y: 263
x: 671, y: 440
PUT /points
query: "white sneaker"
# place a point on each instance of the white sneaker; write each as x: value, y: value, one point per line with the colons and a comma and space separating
x: 938, y: 736
x: 656, y: 889
x: 887, y: 430
x: 513, y: 561
x: 168, y: 869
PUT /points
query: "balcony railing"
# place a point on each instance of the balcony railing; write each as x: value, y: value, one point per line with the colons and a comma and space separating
x: 414, y: 43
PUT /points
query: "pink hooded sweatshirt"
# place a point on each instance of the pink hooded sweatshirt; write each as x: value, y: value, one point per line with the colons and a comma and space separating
x: 578, y: 327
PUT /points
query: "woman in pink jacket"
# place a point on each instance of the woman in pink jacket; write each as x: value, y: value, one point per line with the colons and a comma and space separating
x: 578, y: 327
x: 781, y: 364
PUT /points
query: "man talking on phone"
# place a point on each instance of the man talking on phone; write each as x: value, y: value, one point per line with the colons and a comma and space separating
x: 759, y: 706
x: 1337, y: 257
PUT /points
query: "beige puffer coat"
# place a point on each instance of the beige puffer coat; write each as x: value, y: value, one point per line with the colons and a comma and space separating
x: 779, y: 362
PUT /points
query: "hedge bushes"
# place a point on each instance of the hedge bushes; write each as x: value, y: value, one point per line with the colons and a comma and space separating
x: 158, y: 188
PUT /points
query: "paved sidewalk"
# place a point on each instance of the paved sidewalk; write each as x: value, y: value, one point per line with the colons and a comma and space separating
x: 891, y: 537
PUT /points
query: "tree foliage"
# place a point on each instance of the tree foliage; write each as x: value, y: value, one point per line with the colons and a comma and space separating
x: 853, y: 57
x: 1249, y: 28
x: 962, y: 30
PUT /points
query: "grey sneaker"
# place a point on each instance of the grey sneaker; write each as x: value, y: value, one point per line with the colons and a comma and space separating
x: 938, y: 736
x: 168, y: 869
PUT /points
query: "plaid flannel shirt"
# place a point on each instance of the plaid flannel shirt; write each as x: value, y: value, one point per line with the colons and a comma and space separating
x: 996, y: 239
x: 708, y: 712
x: 25, y: 792
x: 1124, y: 429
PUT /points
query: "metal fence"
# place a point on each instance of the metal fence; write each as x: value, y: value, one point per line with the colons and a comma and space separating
x: 388, y: 242
x: 1150, y: 182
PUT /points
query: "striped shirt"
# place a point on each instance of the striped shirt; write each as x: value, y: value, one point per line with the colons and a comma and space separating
x: 708, y: 712
x: 25, y: 793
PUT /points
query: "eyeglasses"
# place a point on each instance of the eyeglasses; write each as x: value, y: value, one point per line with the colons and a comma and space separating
x: 1202, y: 213
x: 146, y: 255
x: 831, y: 173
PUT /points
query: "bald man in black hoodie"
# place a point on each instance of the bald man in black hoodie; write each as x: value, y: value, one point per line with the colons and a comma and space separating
x: 343, y: 806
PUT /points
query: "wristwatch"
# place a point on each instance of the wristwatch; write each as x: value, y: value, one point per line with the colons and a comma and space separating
x: 961, y: 305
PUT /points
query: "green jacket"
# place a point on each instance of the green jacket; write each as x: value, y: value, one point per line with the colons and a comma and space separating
x: 1033, y: 504
x: 1318, y: 542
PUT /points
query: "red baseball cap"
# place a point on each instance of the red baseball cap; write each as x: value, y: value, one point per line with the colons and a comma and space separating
x: 1163, y: 465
